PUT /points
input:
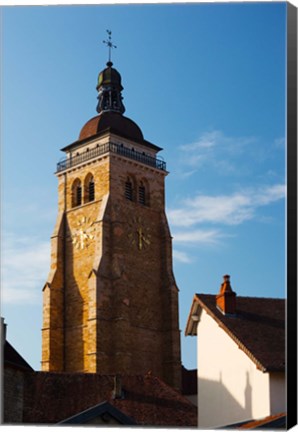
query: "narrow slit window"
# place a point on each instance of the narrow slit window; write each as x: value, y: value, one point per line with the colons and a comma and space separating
x: 128, y: 190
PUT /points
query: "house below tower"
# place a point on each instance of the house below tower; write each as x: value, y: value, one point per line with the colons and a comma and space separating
x: 240, y: 357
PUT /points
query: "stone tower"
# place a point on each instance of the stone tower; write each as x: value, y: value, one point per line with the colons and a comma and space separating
x: 110, y: 304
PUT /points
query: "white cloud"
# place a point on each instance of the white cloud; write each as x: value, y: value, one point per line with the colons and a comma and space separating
x: 25, y: 266
x: 198, y: 237
x: 185, y: 174
x: 280, y: 143
x: 226, y: 155
x: 241, y: 156
x: 206, y: 141
x: 181, y: 257
x: 270, y: 194
x: 216, y: 149
x: 231, y: 209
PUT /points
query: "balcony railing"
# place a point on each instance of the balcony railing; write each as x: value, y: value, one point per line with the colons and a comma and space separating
x: 114, y: 148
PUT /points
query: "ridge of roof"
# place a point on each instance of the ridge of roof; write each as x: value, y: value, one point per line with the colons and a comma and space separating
x: 98, y: 410
x: 246, y: 297
x: 227, y: 323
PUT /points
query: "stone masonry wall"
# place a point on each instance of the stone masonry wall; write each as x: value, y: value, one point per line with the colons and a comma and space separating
x: 13, y: 390
x: 120, y: 299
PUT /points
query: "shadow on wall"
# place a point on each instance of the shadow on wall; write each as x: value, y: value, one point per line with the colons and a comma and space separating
x: 73, y: 309
x: 217, y: 407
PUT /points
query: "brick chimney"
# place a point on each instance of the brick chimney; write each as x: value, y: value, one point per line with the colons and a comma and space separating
x: 226, y: 299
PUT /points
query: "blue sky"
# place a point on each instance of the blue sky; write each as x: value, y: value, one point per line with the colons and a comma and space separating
x: 204, y: 81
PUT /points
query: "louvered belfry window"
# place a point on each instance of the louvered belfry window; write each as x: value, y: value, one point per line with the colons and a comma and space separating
x: 142, y: 195
x: 91, y: 191
x: 78, y: 195
x: 128, y: 190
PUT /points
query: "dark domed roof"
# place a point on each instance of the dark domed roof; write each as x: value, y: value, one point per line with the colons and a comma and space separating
x: 109, y: 76
x: 113, y: 122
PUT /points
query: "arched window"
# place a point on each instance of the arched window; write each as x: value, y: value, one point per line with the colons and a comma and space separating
x: 89, y: 188
x: 76, y: 193
x: 142, y: 194
x: 128, y: 192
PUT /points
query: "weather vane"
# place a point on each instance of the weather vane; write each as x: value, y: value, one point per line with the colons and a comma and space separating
x: 109, y: 43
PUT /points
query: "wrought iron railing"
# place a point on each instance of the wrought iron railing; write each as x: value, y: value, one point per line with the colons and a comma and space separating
x: 114, y: 148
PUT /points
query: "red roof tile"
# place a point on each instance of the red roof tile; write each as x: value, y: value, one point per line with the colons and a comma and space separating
x: 53, y: 397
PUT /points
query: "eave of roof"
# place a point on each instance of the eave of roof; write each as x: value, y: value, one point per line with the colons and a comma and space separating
x: 273, y: 421
x: 195, y: 311
x: 107, y: 131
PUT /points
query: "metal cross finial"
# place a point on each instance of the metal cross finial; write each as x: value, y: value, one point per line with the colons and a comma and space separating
x: 109, y: 43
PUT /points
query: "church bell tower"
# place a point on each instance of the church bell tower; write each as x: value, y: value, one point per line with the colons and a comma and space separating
x: 110, y: 304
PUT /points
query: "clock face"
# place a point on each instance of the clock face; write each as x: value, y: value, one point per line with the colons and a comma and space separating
x: 139, y: 234
x: 84, y: 233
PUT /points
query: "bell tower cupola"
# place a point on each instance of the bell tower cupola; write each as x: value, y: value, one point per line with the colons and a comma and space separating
x: 109, y: 86
x: 109, y: 91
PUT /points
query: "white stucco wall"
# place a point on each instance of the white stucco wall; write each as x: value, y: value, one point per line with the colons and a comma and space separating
x: 277, y: 392
x: 230, y: 387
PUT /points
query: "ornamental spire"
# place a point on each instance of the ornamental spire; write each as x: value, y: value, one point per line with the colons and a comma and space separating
x: 110, y: 45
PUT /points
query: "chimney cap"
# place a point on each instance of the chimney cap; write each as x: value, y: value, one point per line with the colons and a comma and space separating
x: 225, y: 286
x: 226, y: 298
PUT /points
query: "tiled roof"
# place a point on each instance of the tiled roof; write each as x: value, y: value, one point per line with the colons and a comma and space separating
x: 258, y: 327
x: 53, y: 397
x: 13, y: 359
